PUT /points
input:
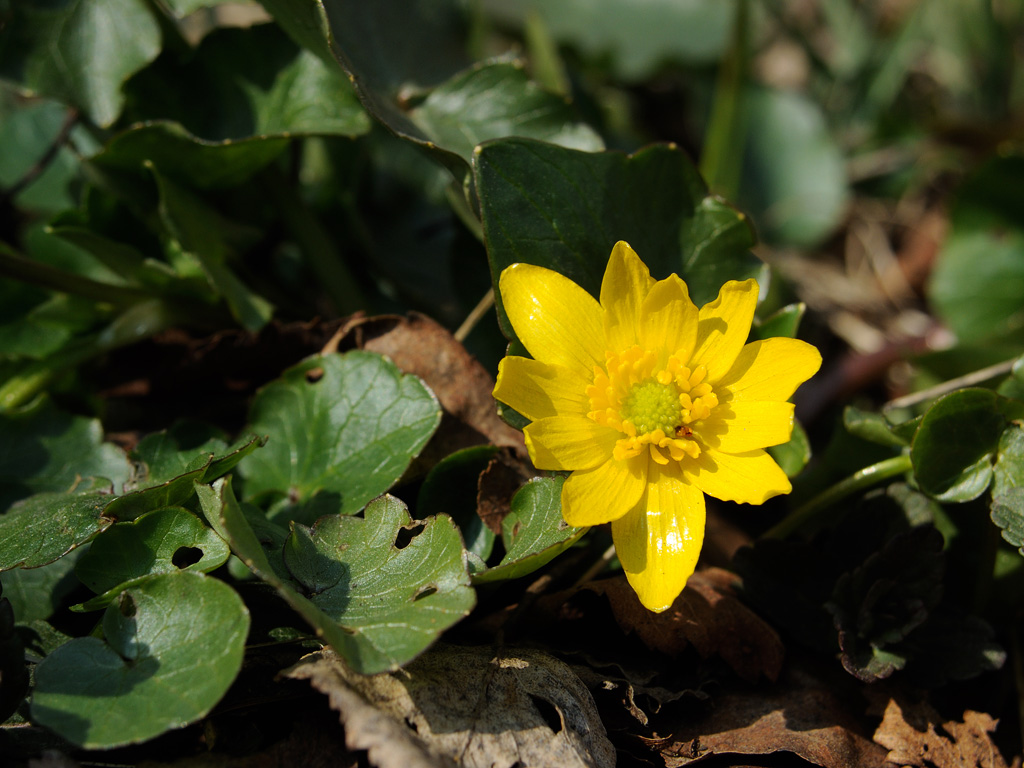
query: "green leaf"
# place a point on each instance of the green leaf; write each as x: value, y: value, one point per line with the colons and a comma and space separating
x: 342, y: 426
x: 151, y: 544
x: 451, y: 488
x: 27, y: 132
x: 398, y: 594
x: 879, y: 603
x: 796, y: 183
x: 564, y: 209
x: 186, y: 447
x: 45, y: 527
x: 1008, y: 514
x: 198, y: 230
x: 78, y: 51
x: 401, y: 56
x: 496, y: 99
x: 42, y: 449
x: 873, y: 427
x: 35, y: 593
x: 977, y: 286
x: 793, y: 455
x: 373, y: 632
x: 1009, y: 467
x: 121, y: 259
x: 245, y: 82
x: 179, y: 155
x: 14, y: 678
x: 635, y: 42
x: 174, y: 644
x: 954, y: 445
x: 202, y: 464
x: 305, y: 21
x: 533, y: 531
x: 782, y: 322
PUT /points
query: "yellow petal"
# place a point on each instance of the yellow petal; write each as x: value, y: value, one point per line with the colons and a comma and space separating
x: 626, y: 281
x: 751, y: 477
x: 658, y: 542
x: 668, y: 319
x: 569, y: 443
x: 559, y: 322
x: 771, y: 369
x: 741, y: 426
x: 723, y: 328
x: 604, y: 493
x: 538, y: 390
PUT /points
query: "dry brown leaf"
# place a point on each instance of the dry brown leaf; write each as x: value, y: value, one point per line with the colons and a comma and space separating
x: 421, y: 346
x: 477, y: 707
x: 802, y: 716
x: 915, y: 735
x: 707, y: 615
x: 503, y: 476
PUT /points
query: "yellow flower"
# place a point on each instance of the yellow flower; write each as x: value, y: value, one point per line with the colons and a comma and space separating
x: 651, y: 403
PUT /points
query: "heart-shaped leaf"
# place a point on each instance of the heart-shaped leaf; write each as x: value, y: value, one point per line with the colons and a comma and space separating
x: 564, y: 209
x: 174, y: 643
x: 344, y: 427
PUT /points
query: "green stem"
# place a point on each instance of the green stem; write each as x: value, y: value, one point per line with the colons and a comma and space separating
x: 16, y: 266
x: 721, y: 160
x: 855, y: 483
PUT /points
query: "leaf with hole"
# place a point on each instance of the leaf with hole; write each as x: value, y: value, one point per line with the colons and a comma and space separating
x: 173, y: 645
x: 163, y: 541
x: 377, y: 605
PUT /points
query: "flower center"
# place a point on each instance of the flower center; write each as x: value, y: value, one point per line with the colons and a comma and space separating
x: 656, y: 407
x: 650, y: 406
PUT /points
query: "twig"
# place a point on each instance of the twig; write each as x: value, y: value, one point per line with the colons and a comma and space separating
x: 967, y: 380
x: 481, y: 309
x: 596, y: 568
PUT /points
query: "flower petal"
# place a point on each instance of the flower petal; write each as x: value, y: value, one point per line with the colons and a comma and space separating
x: 723, y: 328
x: 626, y: 281
x: 569, y: 442
x: 605, y: 493
x: 668, y: 319
x: 736, y: 427
x: 770, y: 369
x: 658, y: 542
x: 538, y: 390
x: 559, y: 322
x: 751, y: 477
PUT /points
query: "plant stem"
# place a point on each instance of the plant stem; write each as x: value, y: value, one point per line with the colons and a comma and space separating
x: 16, y: 266
x: 856, y: 482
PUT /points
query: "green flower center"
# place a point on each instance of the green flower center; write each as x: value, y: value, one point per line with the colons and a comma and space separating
x: 650, y: 405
